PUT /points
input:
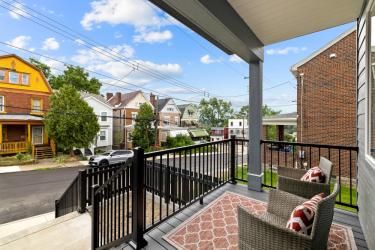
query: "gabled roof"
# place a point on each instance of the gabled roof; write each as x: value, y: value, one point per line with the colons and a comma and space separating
x: 182, y: 107
x: 161, y: 103
x: 31, y: 65
x: 97, y: 97
x: 125, y: 99
x: 322, y: 49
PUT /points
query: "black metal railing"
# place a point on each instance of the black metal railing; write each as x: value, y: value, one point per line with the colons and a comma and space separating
x: 307, y: 155
x: 77, y: 197
x: 112, y: 208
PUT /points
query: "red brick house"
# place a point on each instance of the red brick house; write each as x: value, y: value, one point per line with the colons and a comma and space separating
x: 125, y: 109
x: 326, y: 93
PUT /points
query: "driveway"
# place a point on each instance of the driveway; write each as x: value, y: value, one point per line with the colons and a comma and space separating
x: 29, y: 193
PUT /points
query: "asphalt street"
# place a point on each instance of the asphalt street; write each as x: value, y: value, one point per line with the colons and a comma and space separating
x: 29, y: 193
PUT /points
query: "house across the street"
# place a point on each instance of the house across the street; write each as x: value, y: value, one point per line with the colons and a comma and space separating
x: 218, y: 133
x: 104, y: 112
x: 24, y: 99
x: 189, y: 115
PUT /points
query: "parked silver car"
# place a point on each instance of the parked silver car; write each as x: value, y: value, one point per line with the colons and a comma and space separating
x: 110, y: 157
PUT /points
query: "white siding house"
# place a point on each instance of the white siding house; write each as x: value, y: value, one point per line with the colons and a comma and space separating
x: 103, y: 110
x: 238, y: 127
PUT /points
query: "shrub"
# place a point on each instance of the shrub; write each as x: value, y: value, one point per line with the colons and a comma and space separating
x: 179, y: 141
x: 23, y: 157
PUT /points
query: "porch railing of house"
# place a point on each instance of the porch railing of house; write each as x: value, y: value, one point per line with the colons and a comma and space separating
x: 77, y: 197
x: 13, y: 147
x: 304, y: 156
x: 162, y: 184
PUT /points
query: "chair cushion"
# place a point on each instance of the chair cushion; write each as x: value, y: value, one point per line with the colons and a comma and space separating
x: 314, y: 174
x: 302, y: 217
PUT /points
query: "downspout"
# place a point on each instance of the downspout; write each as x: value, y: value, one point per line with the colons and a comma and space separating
x: 301, y: 101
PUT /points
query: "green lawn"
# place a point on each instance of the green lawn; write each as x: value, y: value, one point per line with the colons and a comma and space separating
x: 344, y: 193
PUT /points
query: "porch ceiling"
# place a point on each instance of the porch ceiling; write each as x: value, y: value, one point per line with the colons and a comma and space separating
x: 243, y: 27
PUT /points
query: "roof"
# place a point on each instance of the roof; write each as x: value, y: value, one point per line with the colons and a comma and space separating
x: 21, y: 117
x: 322, y: 49
x: 198, y: 132
x: 244, y: 27
x: 281, y: 119
x: 162, y: 102
x: 31, y: 65
x: 125, y: 99
x: 100, y: 98
x: 182, y: 107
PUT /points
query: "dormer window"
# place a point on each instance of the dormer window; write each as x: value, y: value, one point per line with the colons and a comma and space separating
x: 14, y: 77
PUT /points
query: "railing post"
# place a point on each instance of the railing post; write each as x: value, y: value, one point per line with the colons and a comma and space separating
x: 233, y: 160
x: 95, y: 218
x: 82, y: 191
x: 56, y: 208
x: 137, y: 175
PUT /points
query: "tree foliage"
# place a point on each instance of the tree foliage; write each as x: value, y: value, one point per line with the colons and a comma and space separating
x: 70, y: 121
x: 143, y: 133
x: 43, y: 67
x: 179, y: 141
x: 78, y: 78
x: 215, y: 112
x: 266, y: 111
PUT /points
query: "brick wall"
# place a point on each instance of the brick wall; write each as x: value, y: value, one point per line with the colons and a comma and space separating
x: 20, y: 103
x: 328, y: 105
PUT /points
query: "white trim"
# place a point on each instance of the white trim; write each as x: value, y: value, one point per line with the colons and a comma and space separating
x: 97, y: 99
x: 325, y: 47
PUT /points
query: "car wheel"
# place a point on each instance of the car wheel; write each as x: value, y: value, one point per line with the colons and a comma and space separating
x: 104, y: 163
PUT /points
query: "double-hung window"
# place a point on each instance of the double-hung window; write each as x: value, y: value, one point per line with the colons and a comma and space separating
x: 103, y: 116
x: 2, y: 103
x: 25, y: 79
x: 36, y: 105
x: 2, y: 75
x: 103, y: 135
x: 14, y: 77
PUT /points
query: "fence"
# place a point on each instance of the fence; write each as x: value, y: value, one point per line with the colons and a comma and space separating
x: 162, y: 184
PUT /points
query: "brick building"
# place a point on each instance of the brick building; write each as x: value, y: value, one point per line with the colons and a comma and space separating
x: 326, y: 97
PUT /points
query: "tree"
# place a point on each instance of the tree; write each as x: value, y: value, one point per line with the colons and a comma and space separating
x: 266, y: 111
x: 215, y: 112
x: 43, y: 67
x: 70, y: 121
x: 143, y: 133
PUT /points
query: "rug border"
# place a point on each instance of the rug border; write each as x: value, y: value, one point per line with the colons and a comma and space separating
x: 352, y: 243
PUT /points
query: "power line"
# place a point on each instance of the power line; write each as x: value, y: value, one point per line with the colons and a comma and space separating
x: 94, y: 72
x: 142, y: 67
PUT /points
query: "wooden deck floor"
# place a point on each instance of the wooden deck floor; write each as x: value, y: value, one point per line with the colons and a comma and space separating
x: 155, y: 240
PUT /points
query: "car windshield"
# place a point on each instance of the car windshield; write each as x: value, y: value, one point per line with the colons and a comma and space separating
x: 106, y: 153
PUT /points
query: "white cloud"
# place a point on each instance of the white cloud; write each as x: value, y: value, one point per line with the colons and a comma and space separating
x: 236, y: 59
x: 285, y: 51
x: 206, y: 59
x: 50, y: 44
x: 17, y: 10
x: 20, y: 42
x: 174, y: 90
x: 80, y: 42
x: 153, y: 37
x: 56, y: 66
x: 119, y: 69
x: 133, y: 12
x: 102, y: 54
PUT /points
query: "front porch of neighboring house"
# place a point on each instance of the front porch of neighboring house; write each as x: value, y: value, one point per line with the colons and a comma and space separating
x: 25, y: 134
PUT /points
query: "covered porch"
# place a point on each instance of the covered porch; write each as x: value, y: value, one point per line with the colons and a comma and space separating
x: 21, y: 134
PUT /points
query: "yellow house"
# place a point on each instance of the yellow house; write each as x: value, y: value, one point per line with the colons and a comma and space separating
x: 24, y: 99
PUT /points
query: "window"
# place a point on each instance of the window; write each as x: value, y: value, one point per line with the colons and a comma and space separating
x: 25, y: 79
x: 166, y: 121
x: 129, y: 137
x: 103, y: 135
x: 371, y: 132
x: 134, y: 117
x: 2, y: 75
x: 14, y: 77
x: 231, y: 124
x: 176, y: 121
x: 240, y: 123
x: 2, y: 103
x: 36, y: 105
x: 103, y: 116
x: 170, y: 109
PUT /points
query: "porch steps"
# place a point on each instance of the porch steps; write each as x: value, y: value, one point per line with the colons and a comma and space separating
x: 43, y: 152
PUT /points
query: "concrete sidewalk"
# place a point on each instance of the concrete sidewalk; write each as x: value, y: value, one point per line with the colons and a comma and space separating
x: 72, y: 231
x: 43, y: 165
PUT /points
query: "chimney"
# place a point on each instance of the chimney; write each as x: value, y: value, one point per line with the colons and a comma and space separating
x: 109, y: 96
x: 153, y: 100
x: 118, y: 97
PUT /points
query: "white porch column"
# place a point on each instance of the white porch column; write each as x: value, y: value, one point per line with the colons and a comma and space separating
x: 255, y: 174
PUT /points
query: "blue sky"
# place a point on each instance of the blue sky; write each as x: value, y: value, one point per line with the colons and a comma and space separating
x: 155, y: 47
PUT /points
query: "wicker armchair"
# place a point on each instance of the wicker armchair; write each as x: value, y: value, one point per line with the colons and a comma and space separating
x: 269, y: 231
x: 289, y: 180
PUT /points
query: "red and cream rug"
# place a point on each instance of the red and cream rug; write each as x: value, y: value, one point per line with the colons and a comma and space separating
x: 215, y: 226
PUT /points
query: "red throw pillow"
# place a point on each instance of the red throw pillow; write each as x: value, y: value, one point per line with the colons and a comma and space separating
x: 302, y: 217
x: 314, y: 174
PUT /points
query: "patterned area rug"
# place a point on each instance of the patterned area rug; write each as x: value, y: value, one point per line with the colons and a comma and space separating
x: 215, y: 226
